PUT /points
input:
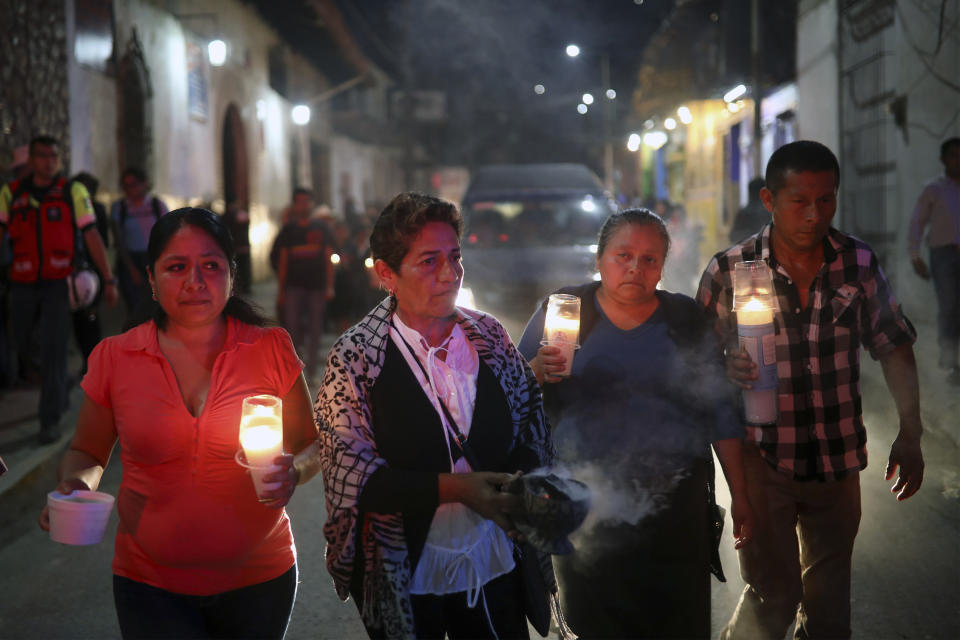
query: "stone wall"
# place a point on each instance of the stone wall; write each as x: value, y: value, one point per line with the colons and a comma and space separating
x: 33, y: 75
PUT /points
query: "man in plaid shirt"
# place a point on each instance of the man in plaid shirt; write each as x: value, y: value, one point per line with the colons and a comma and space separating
x: 802, y: 473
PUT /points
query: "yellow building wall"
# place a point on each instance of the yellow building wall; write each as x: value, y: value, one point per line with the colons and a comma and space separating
x: 704, y: 177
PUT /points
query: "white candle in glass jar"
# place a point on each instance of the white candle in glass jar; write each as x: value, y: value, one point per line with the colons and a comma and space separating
x: 754, y: 312
x: 261, y: 437
x: 758, y: 338
x: 561, y: 327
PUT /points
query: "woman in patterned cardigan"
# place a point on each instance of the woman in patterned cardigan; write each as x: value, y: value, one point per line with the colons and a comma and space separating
x: 421, y: 539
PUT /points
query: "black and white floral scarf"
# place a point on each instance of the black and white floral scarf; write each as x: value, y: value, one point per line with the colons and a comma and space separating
x: 349, y: 455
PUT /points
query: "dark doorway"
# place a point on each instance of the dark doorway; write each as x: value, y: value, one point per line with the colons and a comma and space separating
x: 135, y: 121
x: 236, y: 184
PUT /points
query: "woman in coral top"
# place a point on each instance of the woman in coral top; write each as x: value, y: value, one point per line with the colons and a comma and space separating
x: 197, y: 554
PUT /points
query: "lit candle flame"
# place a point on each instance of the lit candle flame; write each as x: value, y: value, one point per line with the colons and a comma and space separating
x: 755, y: 304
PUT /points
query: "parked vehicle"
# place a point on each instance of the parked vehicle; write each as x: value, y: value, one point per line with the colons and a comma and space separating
x: 530, y: 229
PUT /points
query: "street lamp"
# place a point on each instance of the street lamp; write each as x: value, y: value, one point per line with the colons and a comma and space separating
x: 733, y: 94
x: 573, y: 51
x: 655, y: 139
x: 217, y: 52
x: 300, y: 114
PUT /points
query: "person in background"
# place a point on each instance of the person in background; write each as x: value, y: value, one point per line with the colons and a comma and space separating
x: 803, y: 472
x: 237, y: 220
x: 197, y: 554
x: 418, y: 531
x: 938, y: 209
x: 685, y: 237
x: 133, y: 216
x: 752, y: 216
x: 644, y: 401
x: 86, y: 320
x: 43, y: 212
x: 304, y: 277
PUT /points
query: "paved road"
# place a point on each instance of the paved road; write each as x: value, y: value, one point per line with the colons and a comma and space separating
x: 906, y: 580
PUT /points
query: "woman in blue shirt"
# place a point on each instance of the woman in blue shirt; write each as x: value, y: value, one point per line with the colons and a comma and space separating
x: 646, y: 397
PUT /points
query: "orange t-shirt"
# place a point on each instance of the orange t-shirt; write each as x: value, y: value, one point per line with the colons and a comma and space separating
x: 190, y: 521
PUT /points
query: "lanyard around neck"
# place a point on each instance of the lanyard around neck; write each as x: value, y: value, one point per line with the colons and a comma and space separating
x: 458, y: 436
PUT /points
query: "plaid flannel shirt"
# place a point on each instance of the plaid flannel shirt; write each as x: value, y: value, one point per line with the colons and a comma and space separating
x: 820, y: 433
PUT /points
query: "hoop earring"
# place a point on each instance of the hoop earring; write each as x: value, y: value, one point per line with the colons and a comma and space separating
x: 154, y: 294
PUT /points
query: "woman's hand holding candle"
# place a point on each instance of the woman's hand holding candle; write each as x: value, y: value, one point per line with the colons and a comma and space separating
x: 550, y: 362
x: 285, y: 476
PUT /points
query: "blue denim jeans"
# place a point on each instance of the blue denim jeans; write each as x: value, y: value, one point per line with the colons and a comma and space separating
x: 945, y: 269
x: 258, y: 611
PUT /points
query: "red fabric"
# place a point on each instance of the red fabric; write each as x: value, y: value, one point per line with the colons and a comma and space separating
x: 46, y: 252
x: 190, y: 521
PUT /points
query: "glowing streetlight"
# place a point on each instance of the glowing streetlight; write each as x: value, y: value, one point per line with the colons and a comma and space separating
x: 217, y: 52
x: 670, y: 124
x: 582, y: 109
x: 655, y: 139
x: 733, y: 94
x: 300, y: 114
x: 611, y: 94
x: 539, y: 89
x: 587, y: 98
x: 573, y: 50
x: 685, y: 116
x: 633, y: 142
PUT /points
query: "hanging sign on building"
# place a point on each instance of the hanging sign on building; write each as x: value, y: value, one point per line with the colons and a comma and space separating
x: 198, y: 104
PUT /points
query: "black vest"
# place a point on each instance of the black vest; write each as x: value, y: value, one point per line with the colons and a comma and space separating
x: 409, y: 434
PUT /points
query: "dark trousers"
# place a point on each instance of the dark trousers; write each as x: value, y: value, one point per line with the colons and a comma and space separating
x: 86, y: 329
x: 134, y: 295
x: 449, y: 616
x: 45, y: 305
x: 945, y: 269
x: 258, y: 611
x: 648, y: 580
x: 303, y: 314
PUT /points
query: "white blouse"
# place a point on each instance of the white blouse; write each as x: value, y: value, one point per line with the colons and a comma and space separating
x: 464, y: 550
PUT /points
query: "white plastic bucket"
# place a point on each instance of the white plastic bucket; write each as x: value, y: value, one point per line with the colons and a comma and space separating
x: 79, y: 517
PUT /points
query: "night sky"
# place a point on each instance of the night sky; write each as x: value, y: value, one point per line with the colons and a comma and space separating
x: 489, y: 55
